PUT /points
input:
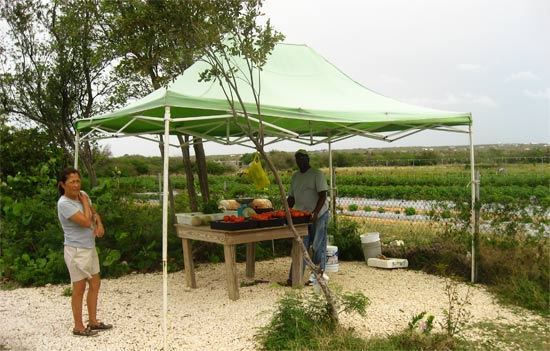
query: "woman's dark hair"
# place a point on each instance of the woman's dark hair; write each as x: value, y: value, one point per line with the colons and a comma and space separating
x: 63, y: 176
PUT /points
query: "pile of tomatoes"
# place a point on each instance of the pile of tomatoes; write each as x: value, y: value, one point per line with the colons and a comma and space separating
x: 266, y: 216
x: 233, y: 219
x: 295, y: 213
x: 278, y: 214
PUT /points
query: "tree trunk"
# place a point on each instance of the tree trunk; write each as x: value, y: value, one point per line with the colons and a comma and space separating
x: 184, y: 146
x: 316, y: 269
x: 200, y: 159
x: 86, y: 156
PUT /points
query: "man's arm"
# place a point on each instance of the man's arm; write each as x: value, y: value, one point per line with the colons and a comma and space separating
x: 320, y: 202
x: 290, y: 201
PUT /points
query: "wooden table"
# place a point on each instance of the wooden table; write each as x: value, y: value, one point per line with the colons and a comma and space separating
x: 229, y: 240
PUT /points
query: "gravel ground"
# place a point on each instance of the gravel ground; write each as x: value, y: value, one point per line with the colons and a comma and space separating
x: 205, y: 319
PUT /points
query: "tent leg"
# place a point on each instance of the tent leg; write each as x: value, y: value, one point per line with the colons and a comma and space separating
x: 472, y: 220
x: 165, y: 226
x: 332, y: 181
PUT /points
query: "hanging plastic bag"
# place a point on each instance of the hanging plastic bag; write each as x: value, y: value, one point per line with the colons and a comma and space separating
x: 256, y: 174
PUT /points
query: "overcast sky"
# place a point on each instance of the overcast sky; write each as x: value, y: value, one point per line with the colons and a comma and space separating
x: 487, y: 57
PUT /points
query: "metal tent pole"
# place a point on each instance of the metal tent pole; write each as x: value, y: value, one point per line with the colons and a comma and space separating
x: 332, y: 195
x: 472, y: 220
x: 165, y: 226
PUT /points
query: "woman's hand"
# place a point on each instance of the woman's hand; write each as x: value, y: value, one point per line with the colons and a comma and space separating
x: 83, y: 198
x: 99, y: 230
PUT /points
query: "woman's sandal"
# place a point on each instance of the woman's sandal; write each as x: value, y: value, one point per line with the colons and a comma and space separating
x: 86, y: 332
x: 100, y: 326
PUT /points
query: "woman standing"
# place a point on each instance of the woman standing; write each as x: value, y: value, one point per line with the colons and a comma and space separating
x: 81, y: 224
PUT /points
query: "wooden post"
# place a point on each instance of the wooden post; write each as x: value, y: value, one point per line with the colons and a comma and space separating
x: 188, y: 263
x: 229, y: 252
x: 297, y: 264
x: 250, y: 260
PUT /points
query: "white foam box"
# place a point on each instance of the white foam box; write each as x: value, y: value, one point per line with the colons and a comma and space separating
x: 215, y: 216
x: 185, y: 218
x: 388, y: 263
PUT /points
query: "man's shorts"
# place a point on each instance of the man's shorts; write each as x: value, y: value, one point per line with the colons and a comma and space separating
x: 81, y: 262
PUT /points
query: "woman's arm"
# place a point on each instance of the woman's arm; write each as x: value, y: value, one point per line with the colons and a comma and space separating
x: 99, y: 230
x: 83, y: 219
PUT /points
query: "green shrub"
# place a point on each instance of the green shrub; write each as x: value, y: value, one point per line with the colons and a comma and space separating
x: 346, y: 236
x: 410, y: 211
x: 353, y: 207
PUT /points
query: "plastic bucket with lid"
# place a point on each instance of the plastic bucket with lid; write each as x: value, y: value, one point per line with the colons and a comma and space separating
x: 370, y: 243
x: 332, y: 259
x: 370, y: 237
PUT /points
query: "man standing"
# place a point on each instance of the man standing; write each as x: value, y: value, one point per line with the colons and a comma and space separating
x: 308, y: 192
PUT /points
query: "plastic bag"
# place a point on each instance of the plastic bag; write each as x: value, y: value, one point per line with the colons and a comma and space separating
x: 256, y: 174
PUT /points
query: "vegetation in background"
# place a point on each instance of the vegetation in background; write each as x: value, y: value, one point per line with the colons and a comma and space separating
x: 31, y: 242
x: 514, y: 250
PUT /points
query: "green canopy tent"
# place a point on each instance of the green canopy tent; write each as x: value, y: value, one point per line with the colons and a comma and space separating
x: 303, y: 98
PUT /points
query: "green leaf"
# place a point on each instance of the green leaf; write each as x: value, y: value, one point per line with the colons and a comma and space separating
x: 121, y: 236
x: 17, y: 209
x: 111, y: 258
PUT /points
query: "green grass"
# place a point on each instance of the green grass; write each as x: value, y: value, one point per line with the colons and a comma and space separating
x: 521, y: 336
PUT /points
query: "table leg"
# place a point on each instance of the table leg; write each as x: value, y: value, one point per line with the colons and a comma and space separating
x: 297, y: 265
x: 250, y: 260
x: 188, y: 263
x: 229, y: 252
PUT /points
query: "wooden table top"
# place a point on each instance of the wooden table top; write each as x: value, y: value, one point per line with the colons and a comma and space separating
x: 232, y: 237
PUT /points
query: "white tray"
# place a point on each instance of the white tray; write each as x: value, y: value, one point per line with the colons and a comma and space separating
x: 388, y: 263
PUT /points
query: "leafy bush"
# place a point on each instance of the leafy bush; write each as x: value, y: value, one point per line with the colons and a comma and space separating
x: 31, y: 243
x: 353, y: 207
x: 345, y: 232
x: 32, y: 238
x: 410, y: 211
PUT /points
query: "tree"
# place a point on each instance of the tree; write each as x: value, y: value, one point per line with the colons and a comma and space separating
x: 154, y: 40
x: 241, y: 35
x: 55, y: 73
x: 23, y: 149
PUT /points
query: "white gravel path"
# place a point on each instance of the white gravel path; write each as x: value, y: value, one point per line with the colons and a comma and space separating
x: 205, y: 319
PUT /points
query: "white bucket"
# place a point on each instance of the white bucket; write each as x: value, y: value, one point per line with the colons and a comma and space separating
x: 370, y: 237
x: 332, y: 259
x: 371, y: 250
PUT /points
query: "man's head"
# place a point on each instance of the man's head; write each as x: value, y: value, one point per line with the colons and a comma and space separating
x: 302, y: 160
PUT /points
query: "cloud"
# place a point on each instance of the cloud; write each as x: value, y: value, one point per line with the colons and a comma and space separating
x: 539, y: 94
x: 462, y: 100
x: 472, y: 67
x: 523, y: 76
x: 391, y: 80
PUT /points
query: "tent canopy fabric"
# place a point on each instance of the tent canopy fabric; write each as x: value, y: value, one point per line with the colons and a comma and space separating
x: 303, y: 98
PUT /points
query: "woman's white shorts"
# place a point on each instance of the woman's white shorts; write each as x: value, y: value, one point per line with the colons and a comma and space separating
x: 81, y: 262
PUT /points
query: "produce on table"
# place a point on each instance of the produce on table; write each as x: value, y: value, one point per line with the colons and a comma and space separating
x: 247, y: 212
x: 279, y: 214
x: 196, y: 220
x: 233, y: 219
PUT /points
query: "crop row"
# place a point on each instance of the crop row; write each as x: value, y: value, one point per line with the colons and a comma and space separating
x: 444, y: 179
x: 497, y: 194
